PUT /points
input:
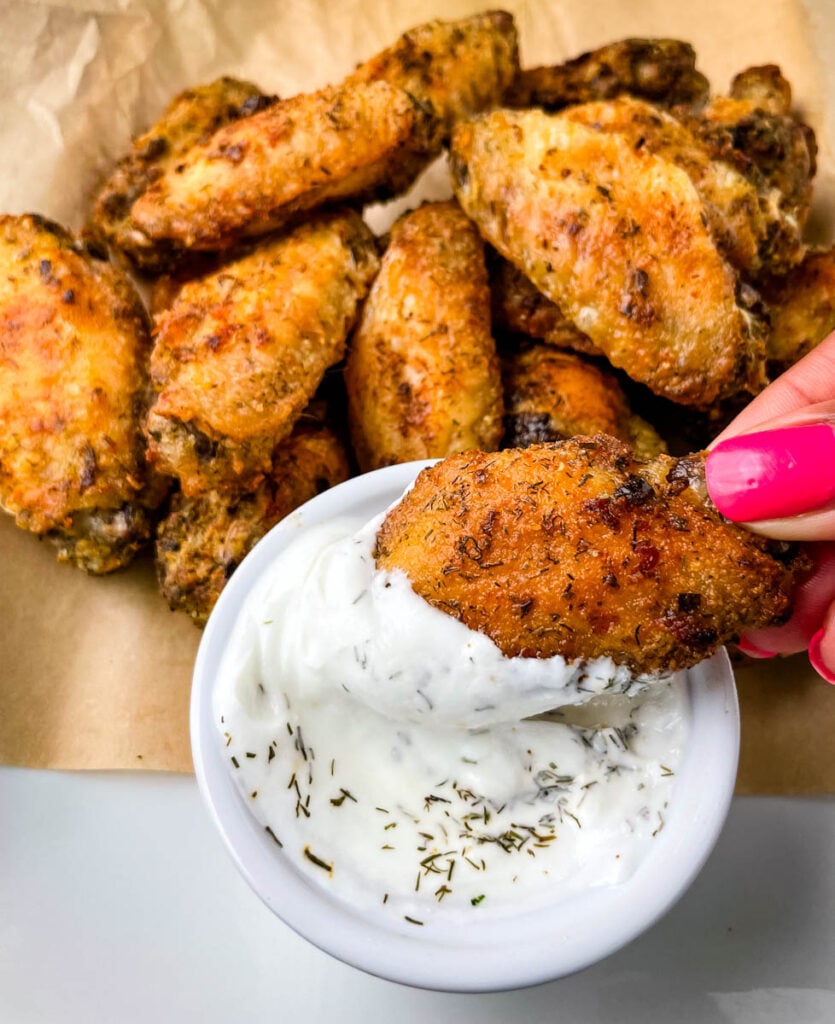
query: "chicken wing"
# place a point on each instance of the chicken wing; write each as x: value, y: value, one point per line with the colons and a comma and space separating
x: 361, y: 142
x: 801, y: 308
x: 241, y: 351
x: 459, y: 68
x: 551, y: 395
x: 578, y: 549
x: 617, y: 237
x: 203, y: 539
x: 422, y: 374
x: 191, y: 117
x: 73, y: 386
x: 662, y: 71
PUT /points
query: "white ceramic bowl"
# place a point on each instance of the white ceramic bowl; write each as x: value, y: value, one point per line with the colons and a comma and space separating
x: 503, y: 953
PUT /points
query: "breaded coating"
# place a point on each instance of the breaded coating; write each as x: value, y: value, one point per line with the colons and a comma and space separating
x: 459, y: 68
x: 746, y: 230
x: 617, y: 237
x: 662, y: 71
x: 360, y: 142
x: 753, y: 131
x: 422, y: 374
x: 801, y: 308
x: 241, y: 351
x: 580, y: 550
x: 551, y: 395
x: 204, y: 539
x: 191, y: 117
x: 519, y: 307
x: 73, y: 386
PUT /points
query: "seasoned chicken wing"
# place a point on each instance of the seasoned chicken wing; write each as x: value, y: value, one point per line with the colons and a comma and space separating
x: 73, y: 386
x: 618, y: 238
x: 580, y: 550
x: 801, y: 308
x: 204, y: 539
x: 241, y: 351
x: 191, y: 117
x: 459, y: 67
x: 551, y: 395
x: 662, y: 71
x: 360, y: 142
x: 422, y: 374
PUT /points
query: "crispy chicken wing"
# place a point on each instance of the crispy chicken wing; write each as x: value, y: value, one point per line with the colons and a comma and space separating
x: 801, y: 308
x: 458, y: 67
x: 73, y: 385
x: 662, y: 71
x: 241, y: 351
x: 551, y: 395
x: 203, y: 539
x: 191, y: 117
x: 578, y: 549
x: 422, y: 374
x: 617, y: 237
x: 754, y: 131
x: 359, y: 142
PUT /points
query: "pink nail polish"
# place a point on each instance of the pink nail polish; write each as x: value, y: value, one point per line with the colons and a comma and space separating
x: 753, y: 651
x: 816, y: 658
x: 774, y: 473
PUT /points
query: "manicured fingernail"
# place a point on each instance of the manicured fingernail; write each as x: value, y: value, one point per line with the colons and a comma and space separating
x: 755, y: 652
x: 816, y: 658
x: 774, y: 473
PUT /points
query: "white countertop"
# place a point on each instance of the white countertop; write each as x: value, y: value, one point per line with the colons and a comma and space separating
x: 119, y: 903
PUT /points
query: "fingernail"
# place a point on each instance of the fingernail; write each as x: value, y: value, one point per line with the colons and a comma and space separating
x: 774, y: 473
x: 816, y: 658
x: 754, y: 652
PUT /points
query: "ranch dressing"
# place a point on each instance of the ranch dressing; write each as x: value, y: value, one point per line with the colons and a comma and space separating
x: 398, y: 757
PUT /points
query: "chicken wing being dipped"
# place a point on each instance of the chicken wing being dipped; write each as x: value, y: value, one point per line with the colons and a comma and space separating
x: 422, y: 374
x: 617, y: 237
x: 240, y: 352
x: 73, y: 386
x: 203, y: 539
x: 551, y: 395
x: 579, y: 549
x: 362, y: 142
x: 191, y: 117
x: 662, y: 71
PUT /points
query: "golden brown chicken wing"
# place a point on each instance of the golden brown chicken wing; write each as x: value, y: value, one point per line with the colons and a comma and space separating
x: 241, y: 351
x: 191, y: 117
x: 73, y: 386
x: 204, y: 539
x: 551, y: 395
x: 662, y: 71
x: 422, y: 374
x: 362, y: 142
x: 801, y: 308
x: 617, y: 237
x: 459, y: 67
x: 578, y: 549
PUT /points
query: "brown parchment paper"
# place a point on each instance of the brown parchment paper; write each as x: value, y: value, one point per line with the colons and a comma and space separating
x: 95, y: 673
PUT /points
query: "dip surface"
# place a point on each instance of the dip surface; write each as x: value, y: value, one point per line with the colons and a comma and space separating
x: 392, y: 753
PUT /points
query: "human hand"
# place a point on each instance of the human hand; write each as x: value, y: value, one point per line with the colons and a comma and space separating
x: 773, y: 469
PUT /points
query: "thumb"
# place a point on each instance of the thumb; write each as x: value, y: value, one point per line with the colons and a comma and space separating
x: 779, y: 479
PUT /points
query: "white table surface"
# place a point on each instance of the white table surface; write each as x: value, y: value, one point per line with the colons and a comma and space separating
x: 118, y: 902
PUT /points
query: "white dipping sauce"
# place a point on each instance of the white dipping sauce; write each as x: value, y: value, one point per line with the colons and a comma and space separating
x: 390, y: 750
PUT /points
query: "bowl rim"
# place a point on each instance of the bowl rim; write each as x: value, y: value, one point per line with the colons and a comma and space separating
x: 502, y: 952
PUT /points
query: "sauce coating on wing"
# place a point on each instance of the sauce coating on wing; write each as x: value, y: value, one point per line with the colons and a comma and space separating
x: 580, y: 550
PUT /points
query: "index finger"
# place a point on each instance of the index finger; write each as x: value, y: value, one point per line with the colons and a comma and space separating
x: 809, y: 382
